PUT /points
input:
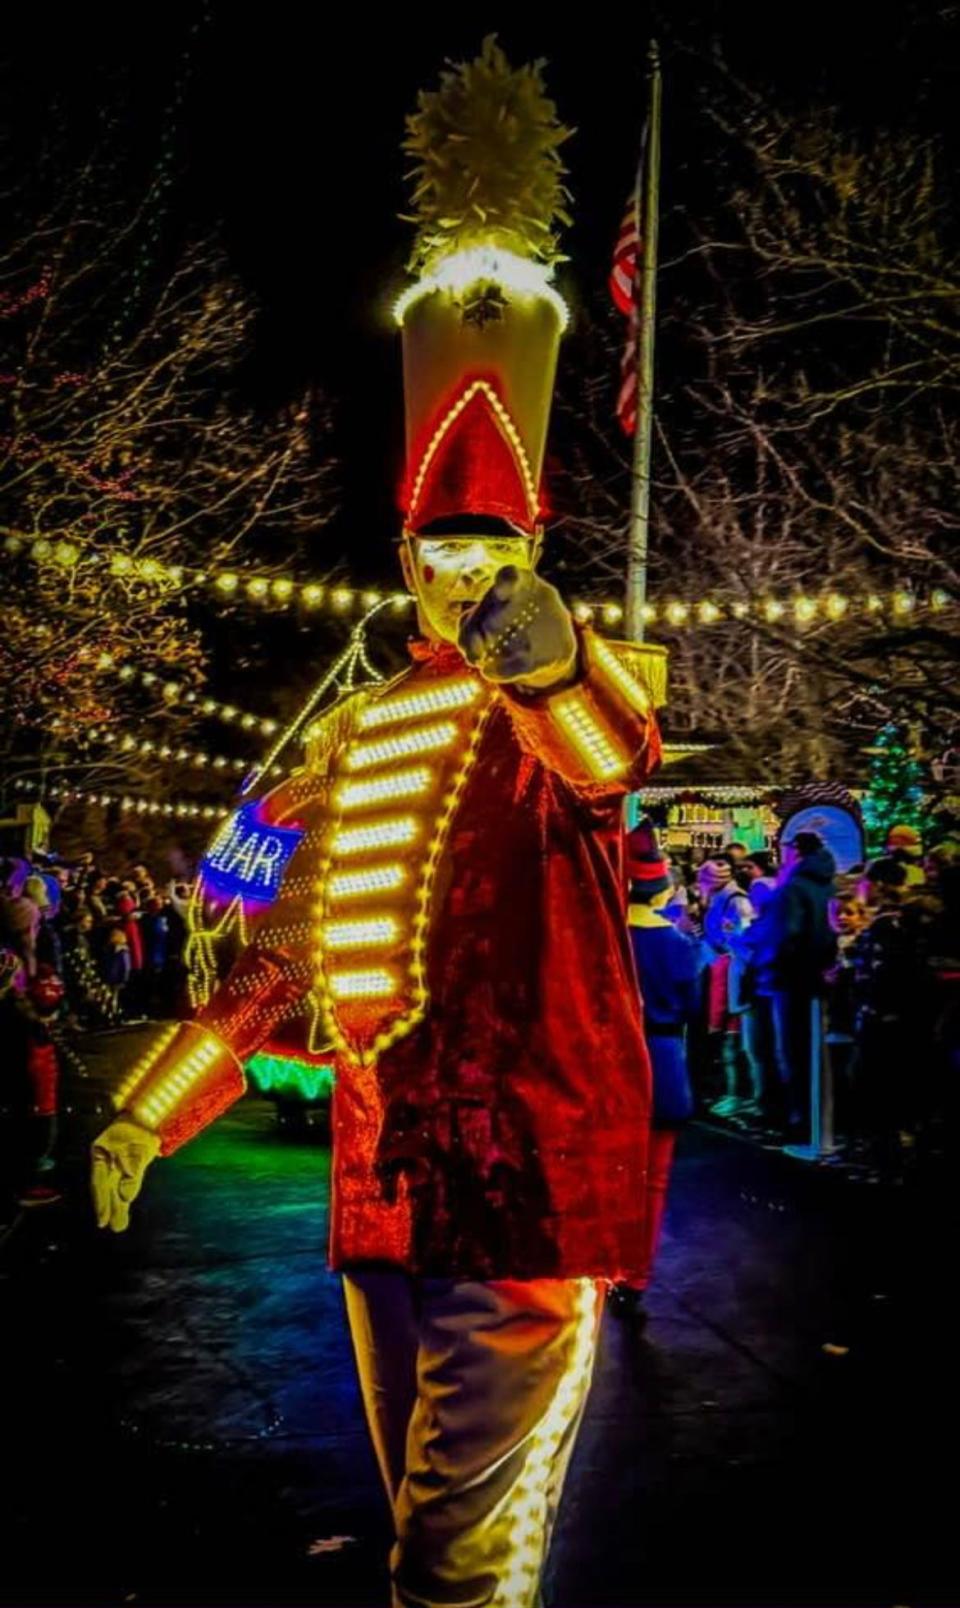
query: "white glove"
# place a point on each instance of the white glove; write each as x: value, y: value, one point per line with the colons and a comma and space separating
x: 120, y: 1157
x: 521, y: 631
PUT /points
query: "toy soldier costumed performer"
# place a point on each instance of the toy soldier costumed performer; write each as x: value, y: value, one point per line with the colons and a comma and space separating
x: 452, y: 907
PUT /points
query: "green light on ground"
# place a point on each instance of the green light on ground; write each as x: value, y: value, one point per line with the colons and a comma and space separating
x: 284, y: 1074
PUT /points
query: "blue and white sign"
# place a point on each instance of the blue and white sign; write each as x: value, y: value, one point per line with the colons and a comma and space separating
x: 248, y: 857
x: 840, y: 831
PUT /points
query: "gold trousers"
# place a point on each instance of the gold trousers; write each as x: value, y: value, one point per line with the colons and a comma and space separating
x: 474, y: 1393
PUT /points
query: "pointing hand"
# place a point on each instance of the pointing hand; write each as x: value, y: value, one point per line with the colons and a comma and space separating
x: 520, y: 631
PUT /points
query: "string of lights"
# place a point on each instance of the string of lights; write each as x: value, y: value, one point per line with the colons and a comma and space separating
x: 198, y: 758
x: 140, y: 806
x: 156, y: 204
x: 237, y: 583
x: 349, y: 672
x: 96, y: 798
x: 709, y: 795
x: 227, y: 584
x: 173, y: 692
x: 715, y: 795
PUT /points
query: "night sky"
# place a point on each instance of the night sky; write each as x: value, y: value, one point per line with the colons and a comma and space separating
x: 288, y: 145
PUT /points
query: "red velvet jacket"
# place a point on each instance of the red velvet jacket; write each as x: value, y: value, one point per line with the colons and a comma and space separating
x: 493, y: 1086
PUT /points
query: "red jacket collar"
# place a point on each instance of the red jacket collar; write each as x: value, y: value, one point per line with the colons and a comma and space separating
x: 440, y: 656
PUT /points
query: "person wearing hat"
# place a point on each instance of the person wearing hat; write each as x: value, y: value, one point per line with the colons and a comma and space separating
x: 669, y: 964
x: 13, y: 982
x: 905, y: 844
x: 728, y: 912
x: 20, y: 914
x: 46, y: 894
x: 898, y: 1009
x: 450, y: 904
x: 36, y: 1055
x: 793, y: 948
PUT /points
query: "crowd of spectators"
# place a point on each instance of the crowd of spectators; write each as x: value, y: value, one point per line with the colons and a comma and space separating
x: 857, y: 974
x: 115, y: 942
x: 792, y: 967
x: 78, y: 950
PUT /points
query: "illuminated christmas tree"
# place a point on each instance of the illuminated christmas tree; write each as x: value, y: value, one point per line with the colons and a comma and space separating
x: 894, y: 796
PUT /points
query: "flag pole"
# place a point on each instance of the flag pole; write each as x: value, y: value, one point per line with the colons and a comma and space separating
x: 648, y: 188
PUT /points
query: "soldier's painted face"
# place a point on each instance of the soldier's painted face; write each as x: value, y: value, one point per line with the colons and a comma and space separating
x: 449, y: 575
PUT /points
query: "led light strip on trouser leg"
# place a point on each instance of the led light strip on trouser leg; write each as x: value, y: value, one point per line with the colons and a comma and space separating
x: 529, y: 1504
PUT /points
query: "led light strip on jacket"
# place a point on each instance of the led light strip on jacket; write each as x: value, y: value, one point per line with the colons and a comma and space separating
x: 624, y: 680
x: 357, y: 884
x: 151, y: 1109
x: 383, y: 834
x: 401, y: 784
x: 423, y: 740
x: 360, y: 934
x: 145, y: 1065
x: 455, y: 694
x: 401, y: 984
x: 593, y: 742
x: 370, y: 984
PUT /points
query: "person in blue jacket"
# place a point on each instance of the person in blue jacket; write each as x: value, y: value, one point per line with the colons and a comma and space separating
x: 792, y: 945
x: 668, y: 965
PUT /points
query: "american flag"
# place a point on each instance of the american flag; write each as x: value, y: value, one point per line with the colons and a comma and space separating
x: 623, y: 286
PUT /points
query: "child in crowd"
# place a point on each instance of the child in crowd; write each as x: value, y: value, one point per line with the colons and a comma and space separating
x: 117, y: 965
x: 669, y: 964
x: 727, y: 915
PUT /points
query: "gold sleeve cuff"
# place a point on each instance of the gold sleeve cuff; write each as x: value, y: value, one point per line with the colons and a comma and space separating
x: 606, y: 720
x: 580, y: 721
x: 185, y: 1079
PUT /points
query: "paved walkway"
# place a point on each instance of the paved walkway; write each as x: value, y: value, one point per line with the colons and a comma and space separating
x: 182, y: 1422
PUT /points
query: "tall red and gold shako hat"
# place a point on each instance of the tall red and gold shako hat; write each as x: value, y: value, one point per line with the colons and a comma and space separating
x: 482, y: 323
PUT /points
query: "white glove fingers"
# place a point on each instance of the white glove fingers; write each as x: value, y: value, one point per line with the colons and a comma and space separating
x: 102, y: 1192
x: 507, y: 582
x: 128, y: 1160
x: 120, y: 1217
x: 128, y: 1187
